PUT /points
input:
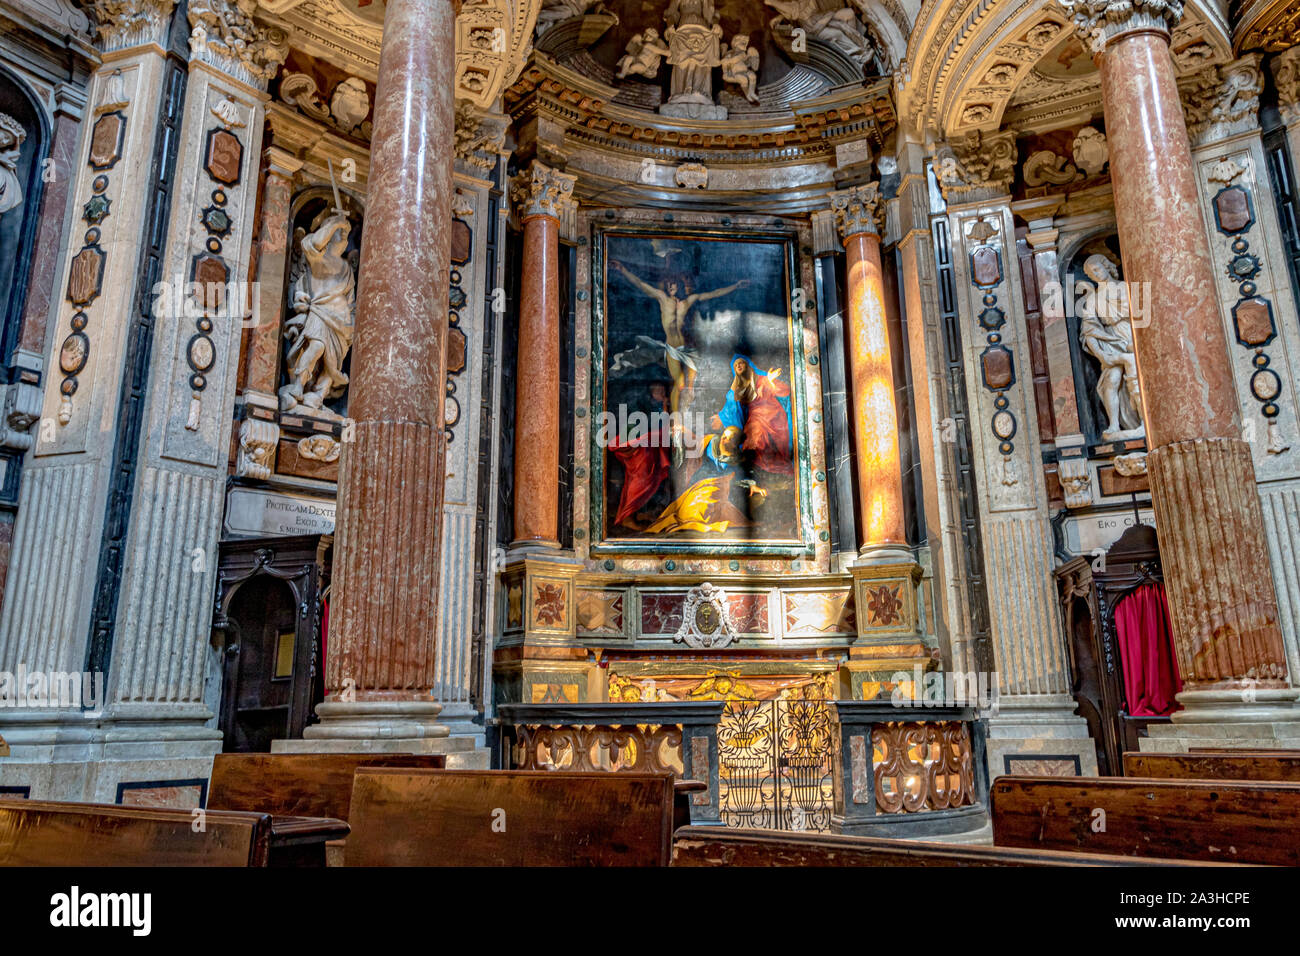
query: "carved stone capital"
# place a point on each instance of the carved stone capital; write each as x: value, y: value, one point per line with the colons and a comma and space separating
x: 980, y: 166
x: 859, y: 209
x: 1286, y: 76
x: 542, y: 191
x: 480, y: 135
x: 225, y: 36
x: 122, y: 24
x: 1100, y: 21
x: 1223, y: 100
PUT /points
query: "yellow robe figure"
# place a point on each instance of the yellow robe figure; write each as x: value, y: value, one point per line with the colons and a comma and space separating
x: 690, y: 512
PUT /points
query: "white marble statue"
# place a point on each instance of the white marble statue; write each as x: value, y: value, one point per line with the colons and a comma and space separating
x: 740, y: 66
x: 694, y: 49
x: 12, y: 135
x: 644, y: 55
x: 827, y: 21
x: 320, y: 333
x: 1106, y: 331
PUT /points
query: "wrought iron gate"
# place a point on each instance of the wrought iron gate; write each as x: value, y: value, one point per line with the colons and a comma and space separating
x: 775, y: 760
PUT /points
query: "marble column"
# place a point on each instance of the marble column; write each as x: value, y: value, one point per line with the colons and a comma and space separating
x: 380, y: 670
x: 540, y: 193
x: 885, y: 574
x: 1223, y: 607
x: 875, y: 416
x: 1033, y: 727
x: 939, y: 431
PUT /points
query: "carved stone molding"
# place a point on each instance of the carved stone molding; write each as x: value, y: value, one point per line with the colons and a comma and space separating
x: 492, y: 39
x: 225, y: 36
x: 1286, y: 76
x: 123, y: 24
x: 1269, y: 25
x: 542, y: 191
x: 257, y: 440
x: 1100, y: 21
x: 1223, y: 100
x: 859, y: 209
x: 980, y: 166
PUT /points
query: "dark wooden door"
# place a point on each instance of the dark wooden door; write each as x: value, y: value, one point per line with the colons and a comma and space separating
x: 261, y: 666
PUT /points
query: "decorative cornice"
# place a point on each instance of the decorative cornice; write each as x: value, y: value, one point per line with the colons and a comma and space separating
x: 1269, y: 25
x: 1101, y: 21
x: 858, y: 210
x: 1286, y: 77
x: 1223, y: 100
x: 123, y: 24
x: 542, y: 191
x: 980, y: 166
x: 224, y: 36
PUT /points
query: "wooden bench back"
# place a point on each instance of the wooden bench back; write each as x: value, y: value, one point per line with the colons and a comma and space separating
x: 1214, y: 765
x: 510, y: 818
x: 307, y: 785
x: 41, y: 833
x: 1212, y: 820
x: 721, y: 846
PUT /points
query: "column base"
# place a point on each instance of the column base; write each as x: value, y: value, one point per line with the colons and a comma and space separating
x: 1041, y: 735
x: 398, y: 726
x: 1257, y: 705
x: 1219, y: 735
x: 157, y: 762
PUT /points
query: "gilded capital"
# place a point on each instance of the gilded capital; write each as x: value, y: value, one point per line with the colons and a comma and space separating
x: 542, y: 191
x: 122, y: 24
x: 858, y: 210
x: 1100, y: 21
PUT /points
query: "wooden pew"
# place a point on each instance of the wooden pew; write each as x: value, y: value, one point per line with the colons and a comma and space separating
x: 42, y: 833
x: 1215, y: 765
x: 721, y: 846
x: 1210, y: 820
x: 291, y: 787
x: 509, y: 818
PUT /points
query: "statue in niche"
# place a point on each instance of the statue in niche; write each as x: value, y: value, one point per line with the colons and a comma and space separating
x: 320, y: 333
x: 740, y: 66
x: 827, y: 21
x: 12, y: 135
x: 645, y: 53
x: 694, y: 49
x: 1106, y: 331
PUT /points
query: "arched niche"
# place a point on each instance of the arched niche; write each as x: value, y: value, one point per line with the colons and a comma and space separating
x: 18, y: 225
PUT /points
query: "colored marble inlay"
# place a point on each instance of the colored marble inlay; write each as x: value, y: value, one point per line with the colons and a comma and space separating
x: 661, y: 613
x: 748, y: 613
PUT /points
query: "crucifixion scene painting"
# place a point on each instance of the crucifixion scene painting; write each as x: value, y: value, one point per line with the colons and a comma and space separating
x: 698, y: 430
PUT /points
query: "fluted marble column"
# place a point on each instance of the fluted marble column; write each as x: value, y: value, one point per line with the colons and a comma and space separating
x: 383, y: 617
x: 1222, y: 602
x: 539, y: 193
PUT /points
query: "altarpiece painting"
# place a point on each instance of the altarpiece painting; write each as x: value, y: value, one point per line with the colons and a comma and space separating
x: 698, y: 436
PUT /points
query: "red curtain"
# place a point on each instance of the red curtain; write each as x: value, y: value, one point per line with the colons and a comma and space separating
x: 1146, y: 652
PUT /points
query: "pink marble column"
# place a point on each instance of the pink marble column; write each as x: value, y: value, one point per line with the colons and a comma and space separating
x: 383, y: 617
x: 262, y: 360
x: 871, y: 370
x: 540, y: 194
x: 1221, y: 597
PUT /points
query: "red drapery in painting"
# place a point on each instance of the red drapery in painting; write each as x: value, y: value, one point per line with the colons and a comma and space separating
x: 1146, y: 651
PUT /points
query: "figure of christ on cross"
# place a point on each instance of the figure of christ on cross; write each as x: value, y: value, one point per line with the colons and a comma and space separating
x: 672, y: 315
